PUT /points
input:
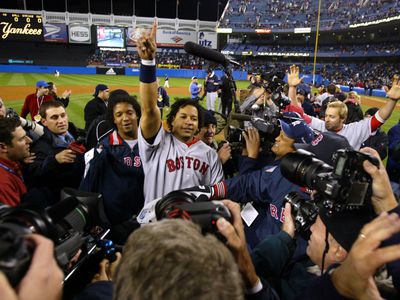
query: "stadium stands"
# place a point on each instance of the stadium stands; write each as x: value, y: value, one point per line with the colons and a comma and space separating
x: 280, y: 14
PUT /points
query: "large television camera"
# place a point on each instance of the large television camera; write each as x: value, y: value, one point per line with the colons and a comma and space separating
x: 343, y: 186
x: 188, y: 205
x: 69, y: 224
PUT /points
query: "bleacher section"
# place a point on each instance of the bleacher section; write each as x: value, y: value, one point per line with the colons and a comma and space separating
x: 285, y: 15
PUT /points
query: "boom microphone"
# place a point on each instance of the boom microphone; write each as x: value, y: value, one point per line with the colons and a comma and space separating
x: 209, y: 54
x: 240, y: 117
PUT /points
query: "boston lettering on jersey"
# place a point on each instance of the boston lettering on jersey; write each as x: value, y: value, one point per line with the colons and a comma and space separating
x: 274, y: 210
x: 128, y: 161
x: 187, y: 162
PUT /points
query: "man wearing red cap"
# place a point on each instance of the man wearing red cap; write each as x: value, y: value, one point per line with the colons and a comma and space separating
x: 34, y: 101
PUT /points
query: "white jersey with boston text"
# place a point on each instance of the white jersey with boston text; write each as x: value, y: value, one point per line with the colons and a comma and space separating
x: 170, y: 165
x: 355, y: 133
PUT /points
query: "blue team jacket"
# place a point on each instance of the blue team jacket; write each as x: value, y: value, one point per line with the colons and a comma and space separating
x: 116, y: 172
x: 266, y: 188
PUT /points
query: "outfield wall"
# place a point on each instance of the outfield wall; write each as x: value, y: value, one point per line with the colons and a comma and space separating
x: 183, y: 73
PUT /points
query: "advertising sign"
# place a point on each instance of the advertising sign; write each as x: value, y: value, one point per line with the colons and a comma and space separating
x: 56, y: 32
x: 21, y: 27
x: 173, y: 38
x: 208, y: 39
x: 79, y: 34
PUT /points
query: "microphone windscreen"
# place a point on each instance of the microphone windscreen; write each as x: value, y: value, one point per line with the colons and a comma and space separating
x: 206, y: 53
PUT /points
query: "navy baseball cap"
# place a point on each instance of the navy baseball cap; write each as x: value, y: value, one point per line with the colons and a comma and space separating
x: 345, y: 226
x: 324, y: 145
x: 209, y: 118
x: 299, y: 131
x: 100, y: 88
x: 42, y: 83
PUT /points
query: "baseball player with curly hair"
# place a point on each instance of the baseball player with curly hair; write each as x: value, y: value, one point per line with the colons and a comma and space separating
x: 172, y: 159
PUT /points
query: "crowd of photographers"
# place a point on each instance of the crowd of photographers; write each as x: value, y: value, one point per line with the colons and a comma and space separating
x: 312, y: 213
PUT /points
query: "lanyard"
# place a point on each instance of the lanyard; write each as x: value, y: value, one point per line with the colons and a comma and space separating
x: 37, y: 101
x: 10, y: 171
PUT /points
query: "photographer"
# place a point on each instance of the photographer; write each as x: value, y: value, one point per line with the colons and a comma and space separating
x: 272, y: 256
x: 161, y: 258
x: 357, y: 132
x: 43, y: 279
x: 354, y: 278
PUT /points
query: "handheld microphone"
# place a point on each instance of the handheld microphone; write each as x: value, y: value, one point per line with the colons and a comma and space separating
x: 208, y: 54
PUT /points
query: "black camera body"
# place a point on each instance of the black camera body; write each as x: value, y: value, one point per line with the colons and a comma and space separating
x: 345, y: 186
x: 183, y: 205
x: 304, y: 213
x: 67, y: 223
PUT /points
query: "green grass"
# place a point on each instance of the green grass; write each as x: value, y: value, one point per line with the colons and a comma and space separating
x: 78, y: 101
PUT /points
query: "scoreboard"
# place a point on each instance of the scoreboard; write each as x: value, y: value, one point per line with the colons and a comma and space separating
x: 20, y: 27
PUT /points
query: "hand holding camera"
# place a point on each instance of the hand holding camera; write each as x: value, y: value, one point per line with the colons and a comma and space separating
x: 43, y: 278
x: 382, y: 195
x: 236, y: 241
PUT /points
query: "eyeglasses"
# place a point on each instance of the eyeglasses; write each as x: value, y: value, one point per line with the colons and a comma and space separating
x: 1, y: 104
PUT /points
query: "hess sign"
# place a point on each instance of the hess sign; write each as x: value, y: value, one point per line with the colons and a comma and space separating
x: 20, y: 27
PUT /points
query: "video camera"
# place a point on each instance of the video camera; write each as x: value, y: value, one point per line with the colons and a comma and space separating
x: 192, y: 206
x: 273, y: 83
x: 68, y: 224
x: 345, y: 186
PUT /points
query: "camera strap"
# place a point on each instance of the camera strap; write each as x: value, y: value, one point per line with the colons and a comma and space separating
x: 11, y: 171
x: 325, y: 251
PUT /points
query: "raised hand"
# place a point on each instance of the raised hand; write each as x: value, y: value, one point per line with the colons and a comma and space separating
x: 354, y: 278
x: 146, y: 44
x: 394, y: 92
x: 293, y: 76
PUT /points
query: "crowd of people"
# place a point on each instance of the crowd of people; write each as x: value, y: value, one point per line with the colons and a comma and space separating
x: 279, y: 14
x: 332, y: 251
x: 169, y: 58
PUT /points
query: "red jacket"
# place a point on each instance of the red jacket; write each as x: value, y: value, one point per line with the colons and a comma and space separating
x: 12, y: 187
x: 32, y: 104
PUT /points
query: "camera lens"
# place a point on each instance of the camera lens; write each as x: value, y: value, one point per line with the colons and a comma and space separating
x: 301, y: 168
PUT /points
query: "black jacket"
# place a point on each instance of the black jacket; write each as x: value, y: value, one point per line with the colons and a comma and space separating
x: 94, y: 108
x: 46, y: 174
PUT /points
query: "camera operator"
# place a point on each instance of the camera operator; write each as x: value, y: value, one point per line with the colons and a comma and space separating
x: 336, y: 113
x: 166, y: 260
x: 207, y: 135
x: 59, y: 159
x: 271, y: 256
x: 43, y: 279
x: 354, y: 277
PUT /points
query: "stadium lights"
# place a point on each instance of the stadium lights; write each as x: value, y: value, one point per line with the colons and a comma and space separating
x: 226, y: 52
x: 224, y: 30
x: 375, y: 22
x: 263, y: 30
x: 296, y: 54
x: 302, y: 30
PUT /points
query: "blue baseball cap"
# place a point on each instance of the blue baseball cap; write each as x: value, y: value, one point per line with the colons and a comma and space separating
x: 42, y: 83
x: 324, y: 145
x: 299, y: 131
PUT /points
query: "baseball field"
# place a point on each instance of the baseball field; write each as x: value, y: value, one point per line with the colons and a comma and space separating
x: 14, y: 87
